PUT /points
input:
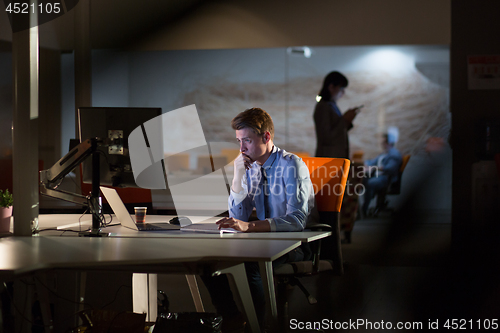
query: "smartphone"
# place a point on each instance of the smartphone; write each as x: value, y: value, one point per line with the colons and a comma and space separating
x: 358, y: 108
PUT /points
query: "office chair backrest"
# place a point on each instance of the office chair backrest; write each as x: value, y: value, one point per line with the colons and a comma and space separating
x: 404, y: 162
x: 329, y: 177
x: 395, y: 186
x: 301, y: 154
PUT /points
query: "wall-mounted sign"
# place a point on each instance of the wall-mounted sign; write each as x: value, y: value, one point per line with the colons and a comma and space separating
x: 484, y: 72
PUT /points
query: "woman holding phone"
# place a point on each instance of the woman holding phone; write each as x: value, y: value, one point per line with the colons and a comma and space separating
x: 333, y: 141
x: 331, y: 125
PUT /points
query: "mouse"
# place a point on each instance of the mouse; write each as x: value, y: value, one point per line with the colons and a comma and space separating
x: 180, y: 220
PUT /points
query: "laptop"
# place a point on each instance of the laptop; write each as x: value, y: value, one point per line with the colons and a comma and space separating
x: 121, y: 212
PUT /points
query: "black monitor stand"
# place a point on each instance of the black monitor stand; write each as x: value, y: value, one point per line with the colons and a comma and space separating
x: 95, y: 205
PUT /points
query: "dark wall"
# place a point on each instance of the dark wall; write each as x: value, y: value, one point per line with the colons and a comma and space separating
x: 49, y: 130
x: 475, y: 31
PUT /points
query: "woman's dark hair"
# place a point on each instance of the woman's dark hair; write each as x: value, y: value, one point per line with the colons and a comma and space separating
x: 335, y: 78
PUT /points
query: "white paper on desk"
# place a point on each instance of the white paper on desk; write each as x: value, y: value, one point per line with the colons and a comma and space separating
x: 208, y: 228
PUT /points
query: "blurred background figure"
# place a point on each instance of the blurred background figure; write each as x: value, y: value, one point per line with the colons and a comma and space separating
x: 331, y: 125
x: 383, y: 169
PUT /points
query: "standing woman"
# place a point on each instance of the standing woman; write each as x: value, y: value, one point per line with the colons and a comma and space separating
x: 333, y: 141
x: 331, y: 125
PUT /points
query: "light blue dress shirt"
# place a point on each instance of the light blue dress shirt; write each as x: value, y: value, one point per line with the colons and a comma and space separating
x: 291, y: 194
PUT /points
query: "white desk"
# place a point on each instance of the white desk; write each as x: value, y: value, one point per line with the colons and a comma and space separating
x: 55, y: 220
x: 51, y: 221
x: 23, y: 255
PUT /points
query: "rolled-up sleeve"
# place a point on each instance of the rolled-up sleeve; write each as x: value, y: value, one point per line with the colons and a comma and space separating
x: 298, y: 196
x: 240, y: 204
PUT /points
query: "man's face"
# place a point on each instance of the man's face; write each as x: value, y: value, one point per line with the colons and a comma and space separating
x: 251, y: 144
x: 385, y: 143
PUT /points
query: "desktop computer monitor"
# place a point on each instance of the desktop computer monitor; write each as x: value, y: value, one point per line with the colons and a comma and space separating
x: 112, y: 125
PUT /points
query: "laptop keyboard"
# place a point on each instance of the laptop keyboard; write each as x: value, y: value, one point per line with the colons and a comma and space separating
x: 153, y: 226
x: 202, y: 226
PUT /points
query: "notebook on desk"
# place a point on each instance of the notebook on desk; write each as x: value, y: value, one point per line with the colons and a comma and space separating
x: 211, y: 228
x: 121, y: 212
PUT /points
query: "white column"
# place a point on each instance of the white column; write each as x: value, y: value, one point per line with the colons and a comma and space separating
x: 144, y: 295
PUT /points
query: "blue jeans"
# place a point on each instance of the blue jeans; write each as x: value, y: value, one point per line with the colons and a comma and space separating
x: 372, y: 187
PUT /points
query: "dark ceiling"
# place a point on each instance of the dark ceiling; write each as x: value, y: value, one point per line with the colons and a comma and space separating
x: 118, y: 23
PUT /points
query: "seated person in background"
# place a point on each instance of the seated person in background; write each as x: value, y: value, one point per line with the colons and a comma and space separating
x: 383, y: 169
x: 274, y: 182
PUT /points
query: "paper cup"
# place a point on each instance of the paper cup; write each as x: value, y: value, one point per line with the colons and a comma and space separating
x: 140, y: 214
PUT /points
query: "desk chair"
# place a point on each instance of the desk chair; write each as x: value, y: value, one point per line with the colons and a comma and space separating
x: 394, y: 188
x: 329, y: 176
x: 301, y: 154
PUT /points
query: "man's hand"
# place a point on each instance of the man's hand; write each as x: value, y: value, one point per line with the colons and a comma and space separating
x: 247, y: 160
x: 230, y: 222
x: 255, y: 226
x: 241, y: 164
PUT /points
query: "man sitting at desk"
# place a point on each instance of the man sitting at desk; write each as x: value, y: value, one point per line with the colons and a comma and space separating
x: 274, y: 182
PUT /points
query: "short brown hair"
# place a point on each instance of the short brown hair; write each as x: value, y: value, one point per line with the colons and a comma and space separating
x: 258, y: 120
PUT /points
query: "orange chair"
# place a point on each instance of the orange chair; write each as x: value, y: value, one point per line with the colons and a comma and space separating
x: 393, y: 188
x: 329, y: 177
x: 301, y: 154
x: 357, y: 156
